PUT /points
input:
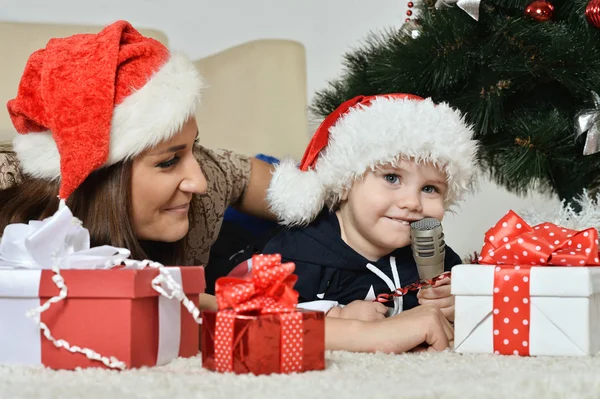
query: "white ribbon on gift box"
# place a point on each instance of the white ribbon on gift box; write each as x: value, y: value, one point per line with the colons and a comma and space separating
x: 60, y: 242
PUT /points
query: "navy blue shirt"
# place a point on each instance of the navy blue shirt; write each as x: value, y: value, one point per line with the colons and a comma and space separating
x: 328, y: 269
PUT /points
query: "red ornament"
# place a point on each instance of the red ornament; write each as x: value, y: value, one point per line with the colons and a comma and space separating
x: 592, y: 13
x: 411, y: 4
x: 540, y: 10
x: 409, y: 13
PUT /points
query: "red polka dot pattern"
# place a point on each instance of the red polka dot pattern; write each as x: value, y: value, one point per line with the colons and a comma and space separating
x: 268, y: 290
x: 291, y: 342
x: 511, y: 310
x: 224, y: 341
x: 512, y: 241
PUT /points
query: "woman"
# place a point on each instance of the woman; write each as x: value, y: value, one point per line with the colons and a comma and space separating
x: 106, y: 122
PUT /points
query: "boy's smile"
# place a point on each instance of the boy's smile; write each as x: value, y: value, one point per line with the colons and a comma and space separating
x: 400, y: 220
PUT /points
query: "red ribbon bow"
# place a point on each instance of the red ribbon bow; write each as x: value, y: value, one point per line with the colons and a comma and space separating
x: 512, y: 241
x: 268, y: 290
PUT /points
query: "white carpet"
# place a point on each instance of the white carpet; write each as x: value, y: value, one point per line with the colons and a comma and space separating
x: 348, y: 375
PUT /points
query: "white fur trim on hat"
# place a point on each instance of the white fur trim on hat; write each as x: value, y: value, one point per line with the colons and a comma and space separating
x: 373, y: 135
x: 145, y: 118
x: 295, y: 196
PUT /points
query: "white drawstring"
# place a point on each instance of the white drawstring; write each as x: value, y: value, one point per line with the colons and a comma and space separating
x: 392, y: 285
x: 398, y: 300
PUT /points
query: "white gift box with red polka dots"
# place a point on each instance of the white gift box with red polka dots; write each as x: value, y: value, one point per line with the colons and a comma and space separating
x: 558, y: 316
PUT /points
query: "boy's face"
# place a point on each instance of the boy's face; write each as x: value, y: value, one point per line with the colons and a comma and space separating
x: 376, y: 213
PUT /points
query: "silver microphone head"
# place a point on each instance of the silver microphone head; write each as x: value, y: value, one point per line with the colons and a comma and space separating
x: 428, y: 246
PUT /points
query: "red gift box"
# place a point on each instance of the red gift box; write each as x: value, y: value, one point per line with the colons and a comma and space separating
x: 257, y: 328
x: 116, y: 313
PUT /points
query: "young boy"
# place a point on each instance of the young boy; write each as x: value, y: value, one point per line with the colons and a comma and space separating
x: 375, y: 165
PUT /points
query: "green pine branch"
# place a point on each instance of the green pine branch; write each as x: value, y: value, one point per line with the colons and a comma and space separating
x: 519, y: 82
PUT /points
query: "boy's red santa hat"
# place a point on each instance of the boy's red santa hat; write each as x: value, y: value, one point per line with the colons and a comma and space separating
x: 91, y: 100
x: 365, y: 132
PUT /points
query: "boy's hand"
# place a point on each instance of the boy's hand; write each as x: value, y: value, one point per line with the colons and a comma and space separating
x: 439, y: 296
x: 360, y: 310
x: 417, y: 329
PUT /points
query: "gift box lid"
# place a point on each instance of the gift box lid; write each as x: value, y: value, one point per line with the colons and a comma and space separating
x: 114, y: 283
x: 478, y: 280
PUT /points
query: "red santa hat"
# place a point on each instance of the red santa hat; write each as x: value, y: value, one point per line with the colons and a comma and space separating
x: 365, y: 132
x: 92, y: 100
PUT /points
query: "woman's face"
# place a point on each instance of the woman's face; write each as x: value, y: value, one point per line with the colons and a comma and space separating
x: 163, y: 180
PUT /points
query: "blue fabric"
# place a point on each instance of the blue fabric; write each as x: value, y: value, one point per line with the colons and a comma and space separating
x: 252, y: 223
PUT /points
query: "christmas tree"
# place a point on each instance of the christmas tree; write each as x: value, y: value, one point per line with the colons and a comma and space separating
x: 524, y: 75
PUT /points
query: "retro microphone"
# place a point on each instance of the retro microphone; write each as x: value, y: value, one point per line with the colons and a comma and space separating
x: 428, y: 247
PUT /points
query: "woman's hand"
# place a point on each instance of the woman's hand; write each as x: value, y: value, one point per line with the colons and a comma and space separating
x: 208, y: 302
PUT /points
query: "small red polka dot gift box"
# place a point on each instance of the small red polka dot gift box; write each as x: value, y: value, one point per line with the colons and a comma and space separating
x: 535, y: 292
x: 257, y: 328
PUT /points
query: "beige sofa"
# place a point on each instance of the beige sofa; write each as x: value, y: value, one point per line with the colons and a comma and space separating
x: 255, y: 100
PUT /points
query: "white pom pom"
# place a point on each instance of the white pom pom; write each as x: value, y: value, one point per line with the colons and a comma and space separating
x: 296, y: 197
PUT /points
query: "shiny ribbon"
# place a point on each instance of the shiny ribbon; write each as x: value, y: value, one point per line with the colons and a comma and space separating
x: 269, y: 290
x: 417, y: 285
x: 61, y: 242
x: 471, y: 7
x: 514, y: 247
x: 588, y: 121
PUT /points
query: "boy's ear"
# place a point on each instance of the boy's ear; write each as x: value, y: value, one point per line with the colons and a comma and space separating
x: 344, y: 196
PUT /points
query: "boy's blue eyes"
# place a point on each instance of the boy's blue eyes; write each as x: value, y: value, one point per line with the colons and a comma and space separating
x: 391, y: 178
x: 169, y: 163
x: 395, y: 179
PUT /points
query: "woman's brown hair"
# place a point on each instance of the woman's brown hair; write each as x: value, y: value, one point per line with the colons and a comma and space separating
x: 102, y: 203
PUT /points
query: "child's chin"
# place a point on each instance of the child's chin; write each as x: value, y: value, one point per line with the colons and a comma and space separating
x: 393, y: 245
x: 403, y: 244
